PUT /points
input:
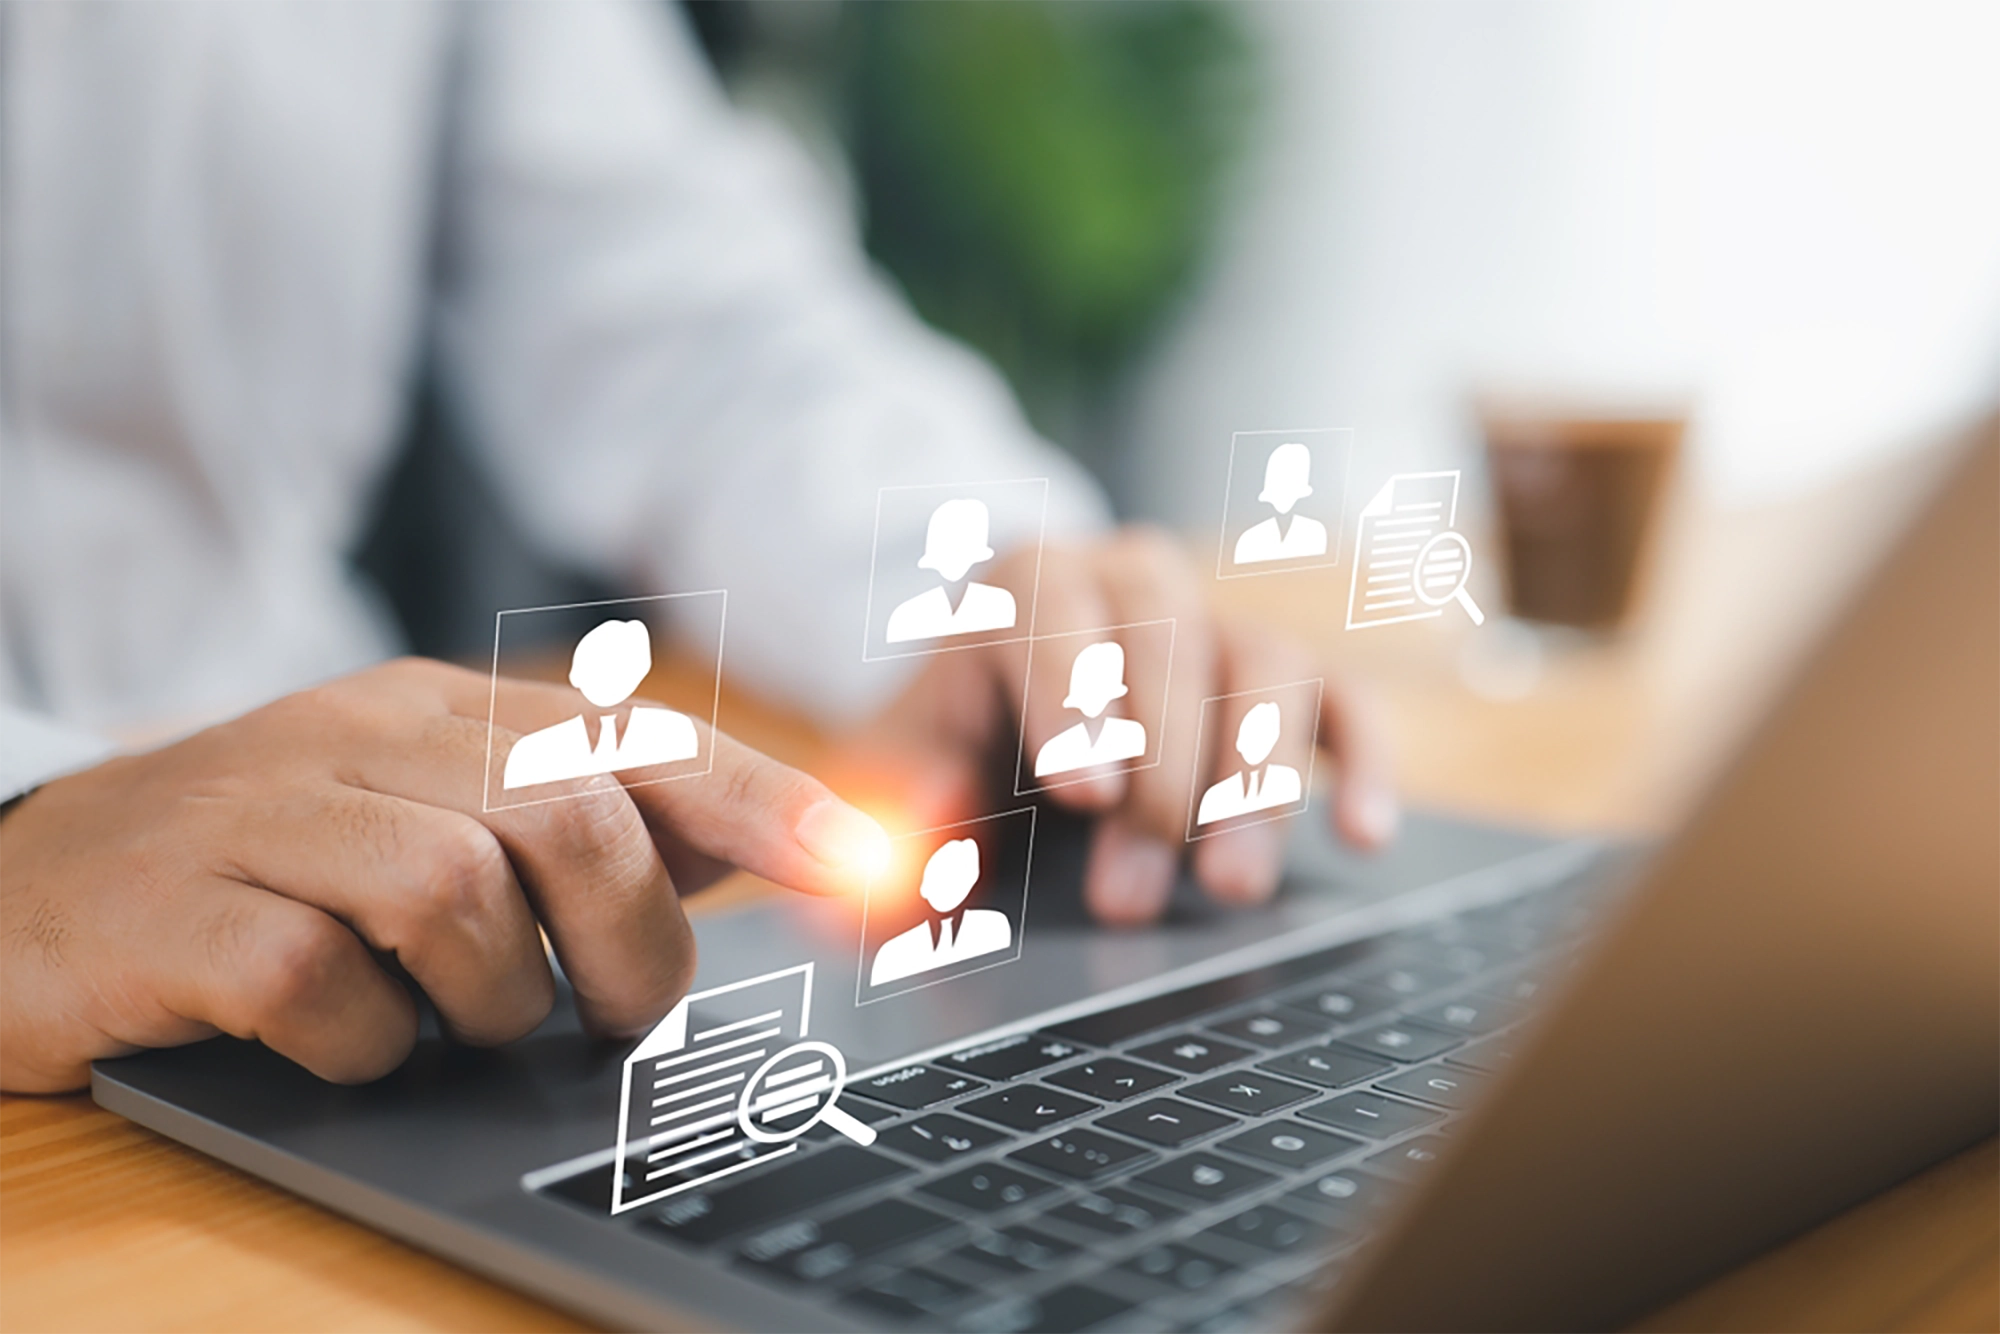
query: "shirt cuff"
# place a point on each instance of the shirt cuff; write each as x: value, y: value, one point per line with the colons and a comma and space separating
x: 35, y: 749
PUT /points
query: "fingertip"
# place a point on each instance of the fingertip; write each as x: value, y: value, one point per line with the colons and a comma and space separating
x: 1368, y: 816
x: 1241, y: 867
x: 1130, y: 876
x: 843, y: 839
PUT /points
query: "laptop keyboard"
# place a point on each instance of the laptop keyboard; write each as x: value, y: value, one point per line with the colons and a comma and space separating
x: 1182, y: 1162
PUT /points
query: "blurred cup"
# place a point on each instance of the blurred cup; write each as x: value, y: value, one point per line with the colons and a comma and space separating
x: 1577, y: 492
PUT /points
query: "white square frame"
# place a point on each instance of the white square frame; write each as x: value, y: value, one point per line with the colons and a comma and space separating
x: 487, y: 805
x: 1222, y: 563
x: 1204, y: 754
x: 1020, y: 631
x: 861, y: 987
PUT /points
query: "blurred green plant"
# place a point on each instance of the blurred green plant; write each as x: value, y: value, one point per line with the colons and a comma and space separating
x: 1043, y: 177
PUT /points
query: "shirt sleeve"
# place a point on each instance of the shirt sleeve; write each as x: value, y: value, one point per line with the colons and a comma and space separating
x: 35, y: 748
x: 664, y: 338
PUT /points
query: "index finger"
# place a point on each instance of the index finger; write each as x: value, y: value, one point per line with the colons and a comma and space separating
x: 769, y: 819
x: 748, y: 810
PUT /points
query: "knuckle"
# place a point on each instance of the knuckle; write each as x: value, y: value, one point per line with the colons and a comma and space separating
x: 342, y: 707
x: 462, y: 873
x: 601, y: 832
x: 297, y: 963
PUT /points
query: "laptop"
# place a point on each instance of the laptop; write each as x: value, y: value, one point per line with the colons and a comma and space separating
x: 1489, y: 1080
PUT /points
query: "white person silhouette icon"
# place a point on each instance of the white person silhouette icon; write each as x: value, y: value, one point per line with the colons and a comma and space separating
x: 607, y: 667
x: 1253, y: 788
x: 1287, y: 481
x: 1096, y: 678
x: 954, y: 541
x: 950, y: 876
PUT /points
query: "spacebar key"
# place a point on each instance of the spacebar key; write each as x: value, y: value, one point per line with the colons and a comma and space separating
x: 703, y: 1217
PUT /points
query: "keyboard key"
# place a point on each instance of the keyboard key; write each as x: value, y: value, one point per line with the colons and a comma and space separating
x: 1237, y: 1318
x: 1271, y: 1030
x: 1166, y: 1121
x: 1177, y: 1267
x: 1203, y: 1176
x: 1006, y: 1058
x: 1455, y: 1089
x: 815, y: 1252
x: 1342, y: 1002
x: 1401, y: 1041
x: 915, y: 1086
x: 1027, y: 1107
x: 1408, y: 1160
x: 939, y: 1137
x: 911, y: 1294
x: 1192, y: 1053
x: 1267, y: 1229
x: 1366, y: 1114
x: 1408, y: 980
x: 1070, y: 1309
x: 1017, y: 1250
x: 1248, y: 1092
x: 1341, y: 1196
x: 1080, y: 1154
x: 1460, y: 958
x: 1472, y: 1016
x: 1111, y: 1078
x: 1519, y: 989
x: 1114, y: 1213
x: 702, y: 1217
x: 1489, y: 1055
x: 988, y: 1187
x: 1327, y: 1067
x: 1289, y: 1144
x: 861, y: 1109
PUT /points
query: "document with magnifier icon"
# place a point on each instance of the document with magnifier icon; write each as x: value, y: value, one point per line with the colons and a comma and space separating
x: 678, y: 1119
x: 1409, y: 510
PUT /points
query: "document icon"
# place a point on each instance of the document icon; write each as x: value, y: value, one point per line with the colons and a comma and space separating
x: 1401, y: 571
x: 678, y: 1117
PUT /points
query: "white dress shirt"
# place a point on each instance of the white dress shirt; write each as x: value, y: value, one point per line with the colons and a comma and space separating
x: 228, y: 234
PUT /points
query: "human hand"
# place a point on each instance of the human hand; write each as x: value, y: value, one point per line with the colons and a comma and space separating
x: 964, y: 709
x: 236, y: 881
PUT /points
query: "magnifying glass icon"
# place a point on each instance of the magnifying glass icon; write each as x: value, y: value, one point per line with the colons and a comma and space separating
x: 794, y: 1091
x: 1443, y: 565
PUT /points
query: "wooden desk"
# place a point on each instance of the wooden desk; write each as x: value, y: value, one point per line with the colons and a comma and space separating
x: 107, y: 1226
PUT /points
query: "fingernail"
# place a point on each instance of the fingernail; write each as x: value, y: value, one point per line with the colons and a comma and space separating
x: 1136, y: 878
x: 1242, y: 866
x: 1377, y: 814
x: 843, y: 838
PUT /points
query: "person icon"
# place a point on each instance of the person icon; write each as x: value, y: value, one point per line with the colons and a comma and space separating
x: 1287, y: 481
x: 1250, y: 790
x: 954, y: 542
x: 1096, y: 678
x: 950, y: 936
x: 608, y: 665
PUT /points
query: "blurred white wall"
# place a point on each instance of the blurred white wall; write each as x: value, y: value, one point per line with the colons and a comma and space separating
x: 1790, y: 212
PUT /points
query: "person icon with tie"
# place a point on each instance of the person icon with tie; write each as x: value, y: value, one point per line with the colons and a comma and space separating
x: 1250, y: 789
x: 1287, y: 481
x: 950, y: 935
x: 955, y: 541
x: 608, y: 665
x: 1096, y: 678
